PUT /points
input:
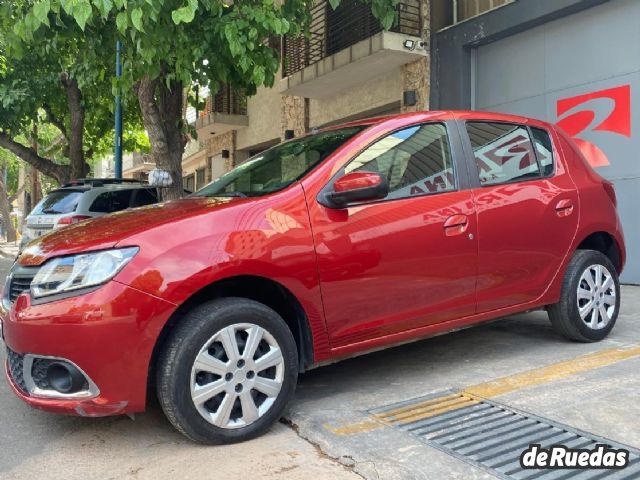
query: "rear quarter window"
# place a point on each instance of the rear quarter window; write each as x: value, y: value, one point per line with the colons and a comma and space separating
x: 146, y: 196
x: 113, y: 201
x: 544, y: 150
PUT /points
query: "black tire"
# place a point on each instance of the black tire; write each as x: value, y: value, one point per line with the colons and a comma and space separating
x: 565, y: 316
x: 175, y: 362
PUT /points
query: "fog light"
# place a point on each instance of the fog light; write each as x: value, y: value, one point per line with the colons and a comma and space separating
x: 65, y: 378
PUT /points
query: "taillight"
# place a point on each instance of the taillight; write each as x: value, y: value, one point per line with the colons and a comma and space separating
x: 72, y: 219
x: 611, y: 191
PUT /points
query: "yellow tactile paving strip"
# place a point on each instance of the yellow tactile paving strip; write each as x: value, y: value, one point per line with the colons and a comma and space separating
x: 421, y: 409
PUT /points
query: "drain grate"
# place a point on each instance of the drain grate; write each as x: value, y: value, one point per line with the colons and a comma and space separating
x: 492, y: 436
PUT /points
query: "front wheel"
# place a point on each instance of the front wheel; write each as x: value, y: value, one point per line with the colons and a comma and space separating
x: 590, y: 298
x: 227, y: 371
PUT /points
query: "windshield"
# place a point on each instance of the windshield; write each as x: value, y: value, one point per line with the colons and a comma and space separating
x: 57, y: 202
x: 280, y: 166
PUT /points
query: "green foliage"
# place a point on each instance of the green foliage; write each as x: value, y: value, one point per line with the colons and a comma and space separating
x: 10, y: 163
x: 208, y: 42
x: 31, y: 66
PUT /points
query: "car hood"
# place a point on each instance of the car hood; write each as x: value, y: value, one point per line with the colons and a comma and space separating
x: 107, y: 231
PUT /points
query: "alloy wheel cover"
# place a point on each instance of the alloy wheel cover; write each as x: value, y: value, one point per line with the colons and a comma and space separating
x: 237, y: 376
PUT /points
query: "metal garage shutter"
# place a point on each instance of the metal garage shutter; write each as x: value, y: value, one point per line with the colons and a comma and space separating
x: 583, y: 72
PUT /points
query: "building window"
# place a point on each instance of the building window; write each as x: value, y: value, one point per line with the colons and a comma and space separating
x: 189, y: 182
x: 200, y: 176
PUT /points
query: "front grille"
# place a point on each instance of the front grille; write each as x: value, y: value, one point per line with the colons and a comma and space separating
x: 20, y: 281
x: 16, y: 362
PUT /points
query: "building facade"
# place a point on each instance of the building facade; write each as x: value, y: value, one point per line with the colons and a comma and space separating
x: 348, y: 68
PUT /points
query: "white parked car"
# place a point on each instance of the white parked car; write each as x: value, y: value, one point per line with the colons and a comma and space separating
x: 84, y: 199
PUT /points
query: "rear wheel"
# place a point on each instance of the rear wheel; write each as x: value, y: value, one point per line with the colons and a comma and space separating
x: 590, y: 299
x: 227, y: 371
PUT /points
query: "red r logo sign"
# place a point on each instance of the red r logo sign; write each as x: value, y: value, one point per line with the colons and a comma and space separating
x: 605, y: 110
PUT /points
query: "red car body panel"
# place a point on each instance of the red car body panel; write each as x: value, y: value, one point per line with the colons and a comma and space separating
x: 366, y: 276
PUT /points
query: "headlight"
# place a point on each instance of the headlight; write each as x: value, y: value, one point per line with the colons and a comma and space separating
x: 66, y: 274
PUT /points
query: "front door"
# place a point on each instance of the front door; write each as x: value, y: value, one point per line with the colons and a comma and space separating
x: 406, y: 261
x: 527, y: 212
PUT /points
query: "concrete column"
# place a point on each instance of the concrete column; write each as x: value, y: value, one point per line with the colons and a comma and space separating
x: 295, y: 115
x: 224, y: 141
x: 415, y: 75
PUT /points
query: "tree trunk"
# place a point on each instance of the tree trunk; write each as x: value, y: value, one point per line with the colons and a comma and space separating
x: 162, y: 116
x: 36, y: 191
x: 5, y: 212
x: 79, y: 167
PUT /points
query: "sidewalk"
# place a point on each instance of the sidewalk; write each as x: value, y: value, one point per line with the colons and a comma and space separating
x: 9, y: 250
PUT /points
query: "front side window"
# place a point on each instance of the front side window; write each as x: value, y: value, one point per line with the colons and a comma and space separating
x: 503, y: 152
x: 280, y: 166
x: 415, y: 161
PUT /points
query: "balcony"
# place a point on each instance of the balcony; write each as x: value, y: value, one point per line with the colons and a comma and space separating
x: 223, y: 112
x: 348, y: 45
x: 136, y: 162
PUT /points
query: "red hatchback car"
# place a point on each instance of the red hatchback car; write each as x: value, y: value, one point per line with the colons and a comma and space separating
x: 358, y: 237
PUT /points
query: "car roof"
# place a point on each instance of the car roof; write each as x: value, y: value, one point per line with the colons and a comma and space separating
x: 86, y: 185
x: 438, y: 115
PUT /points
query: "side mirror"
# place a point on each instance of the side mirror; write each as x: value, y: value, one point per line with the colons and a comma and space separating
x: 356, y: 187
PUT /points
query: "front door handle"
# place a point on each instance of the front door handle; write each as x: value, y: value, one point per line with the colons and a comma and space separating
x: 456, y: 225
x: 564, y: 208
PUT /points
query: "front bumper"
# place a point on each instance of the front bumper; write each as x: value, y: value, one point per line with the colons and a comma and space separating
x: 108, y: 333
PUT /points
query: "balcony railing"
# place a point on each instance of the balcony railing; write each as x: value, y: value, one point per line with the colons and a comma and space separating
x: 227, y: 101
x: 334, y: 30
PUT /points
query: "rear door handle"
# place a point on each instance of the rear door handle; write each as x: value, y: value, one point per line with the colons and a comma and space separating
x: 456, y: 225
x: 564, y: 208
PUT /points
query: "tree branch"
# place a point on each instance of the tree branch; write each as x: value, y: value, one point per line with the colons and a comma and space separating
x: 55, y: 121
x: 12, y: 198
x: 46, y: 166
x: 57, y: 142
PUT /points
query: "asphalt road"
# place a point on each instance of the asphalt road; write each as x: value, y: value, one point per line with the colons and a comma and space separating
x: 582, y: 385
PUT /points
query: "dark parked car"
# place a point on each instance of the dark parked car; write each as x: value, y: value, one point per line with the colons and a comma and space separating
x: 358, y: 237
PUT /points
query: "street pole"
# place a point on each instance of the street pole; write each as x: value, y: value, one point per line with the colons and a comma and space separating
x: 117, y: 154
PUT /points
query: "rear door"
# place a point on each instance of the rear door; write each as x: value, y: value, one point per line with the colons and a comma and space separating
x: 408, y: 260
x: 527, y: 208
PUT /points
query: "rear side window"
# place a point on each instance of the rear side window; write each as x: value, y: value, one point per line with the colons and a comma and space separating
x: 503, y: 152
x: 113, y: 201
x: 57, y: 202
x: 544, y: 150
x: 144, y: 197
x: 415, y: 161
